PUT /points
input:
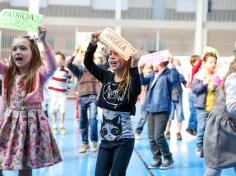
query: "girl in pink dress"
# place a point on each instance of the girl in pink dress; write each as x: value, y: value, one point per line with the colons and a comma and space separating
x: 26, y: 141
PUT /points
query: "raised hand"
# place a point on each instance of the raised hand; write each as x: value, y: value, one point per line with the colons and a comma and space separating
x: 42, y: 33
x: 70, y: 59
x: 94, y: 38
x: 141, y: 65
x: 135, y: 60
x: 42, y: 36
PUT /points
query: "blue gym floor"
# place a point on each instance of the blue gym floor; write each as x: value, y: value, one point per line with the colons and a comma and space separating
x: 75, y: 164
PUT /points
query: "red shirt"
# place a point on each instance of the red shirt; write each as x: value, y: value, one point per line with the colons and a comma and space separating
x: 195, y: 69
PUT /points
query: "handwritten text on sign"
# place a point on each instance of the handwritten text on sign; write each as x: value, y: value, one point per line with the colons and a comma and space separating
x: 117, y: 43
x: 157, y: 57
x: 20, y: 20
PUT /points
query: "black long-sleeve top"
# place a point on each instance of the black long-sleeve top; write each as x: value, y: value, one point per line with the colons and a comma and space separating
x: 109, y: 98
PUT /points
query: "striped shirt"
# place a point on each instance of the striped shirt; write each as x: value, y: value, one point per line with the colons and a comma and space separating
x: 61, y: 81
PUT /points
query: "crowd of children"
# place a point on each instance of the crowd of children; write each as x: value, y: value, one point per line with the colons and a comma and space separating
x: 28, y: 83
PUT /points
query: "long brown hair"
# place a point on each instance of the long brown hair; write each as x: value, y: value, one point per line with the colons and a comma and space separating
x: 35, y: 63
x: 124, y: 85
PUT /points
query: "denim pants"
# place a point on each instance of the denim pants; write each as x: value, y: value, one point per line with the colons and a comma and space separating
x: 113, y: 157
x: 141, y: 122
x: 202, y: 116
x: 156, y: 127
x: 192, y: 122
x: 88, y: 103
x: 177, y: 106
x: 215, y: 172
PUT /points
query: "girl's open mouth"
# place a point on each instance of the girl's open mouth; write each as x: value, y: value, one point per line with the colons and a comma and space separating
x: 113, y: 63
x: 19, y: 59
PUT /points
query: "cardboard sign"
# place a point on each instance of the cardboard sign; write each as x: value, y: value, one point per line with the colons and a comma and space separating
x: 117, y: 43
x: 20, y: 20
x: 157, y: 57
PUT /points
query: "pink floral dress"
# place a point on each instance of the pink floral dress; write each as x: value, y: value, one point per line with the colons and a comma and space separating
x: 26, y: 141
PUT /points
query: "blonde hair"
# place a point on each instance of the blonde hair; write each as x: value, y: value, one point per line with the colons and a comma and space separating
x: 34, y: 64
x: 209, y: 55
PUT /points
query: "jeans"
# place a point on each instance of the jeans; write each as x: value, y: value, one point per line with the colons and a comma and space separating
x: 178, y: 107
x: 113, y: 157
x: 86, y: 103
x: 156, y: 127
x: 214, y: 172
x: 141, y: 122
x: 202, y: 116
x: 192, y: 122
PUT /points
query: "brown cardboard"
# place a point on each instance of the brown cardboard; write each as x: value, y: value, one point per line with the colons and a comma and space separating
x: 117, y: 43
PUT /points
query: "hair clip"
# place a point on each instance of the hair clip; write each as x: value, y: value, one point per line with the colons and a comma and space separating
x: 33, y: 38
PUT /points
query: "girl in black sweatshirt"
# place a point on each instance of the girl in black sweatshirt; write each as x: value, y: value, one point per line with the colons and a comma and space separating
x: 118, y: 96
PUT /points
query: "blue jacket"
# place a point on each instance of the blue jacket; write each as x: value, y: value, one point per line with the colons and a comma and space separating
x: 158, y: 95
x: 200, y: 91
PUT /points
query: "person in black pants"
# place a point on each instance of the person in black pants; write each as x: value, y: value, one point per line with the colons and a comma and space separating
x: 118, y: 96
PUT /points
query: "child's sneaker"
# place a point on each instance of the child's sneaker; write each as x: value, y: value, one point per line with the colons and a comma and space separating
x: 54, y: 130
x: 94, y: 147
x: 179, y: 136
x: 83, y: 148
x: 167, y: 163
x: 199, y: 152
x: 167, y: 135
x: 155, y: 164
x: 194, y: 131
x: 63, y: 130
x: 137, y: 136
x: 191, y: 131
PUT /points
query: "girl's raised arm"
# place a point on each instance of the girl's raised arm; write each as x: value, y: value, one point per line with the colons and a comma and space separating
x: 96, y: 71
x: 48, y: 55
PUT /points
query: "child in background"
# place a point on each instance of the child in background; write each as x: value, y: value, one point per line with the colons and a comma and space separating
x: 46, y: 99
x: 25, y: 136
x: 157, y: 104
x: 88, y: 90
x: 177, y: 102
x: 204, y: 86
x: 196, y: 63
x: 148, y: 68
x: 118, y: 96
x: 58, y: 87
